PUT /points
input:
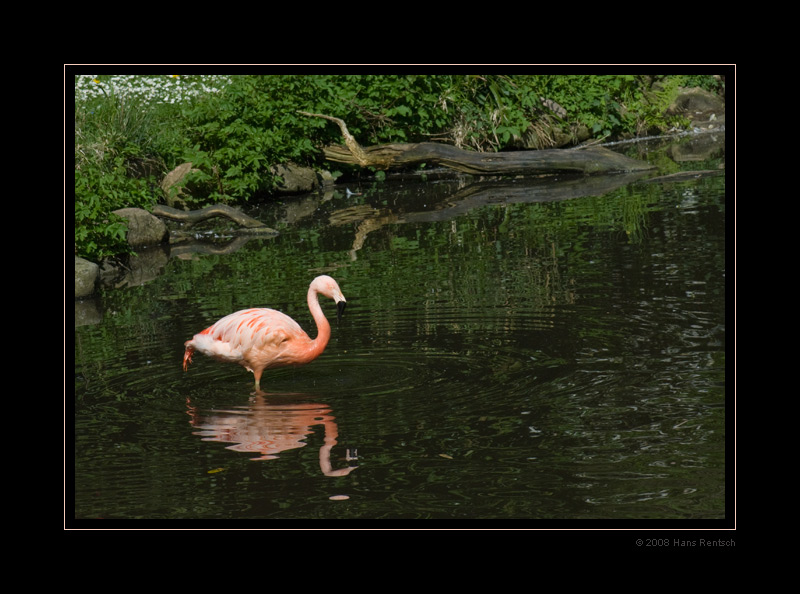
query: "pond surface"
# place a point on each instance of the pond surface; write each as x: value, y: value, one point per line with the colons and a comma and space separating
x: 521, y: 349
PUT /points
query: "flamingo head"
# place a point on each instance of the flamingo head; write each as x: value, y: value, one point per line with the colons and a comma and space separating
x: 325, y: 285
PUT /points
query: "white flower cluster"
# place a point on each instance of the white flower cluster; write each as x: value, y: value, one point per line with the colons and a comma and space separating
x: 155, y: 89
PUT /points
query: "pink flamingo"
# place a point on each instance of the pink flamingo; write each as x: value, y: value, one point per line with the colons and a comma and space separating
x: 260, y: 338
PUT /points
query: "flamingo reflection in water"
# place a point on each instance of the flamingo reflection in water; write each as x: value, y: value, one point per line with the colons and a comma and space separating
x: 269, y: 427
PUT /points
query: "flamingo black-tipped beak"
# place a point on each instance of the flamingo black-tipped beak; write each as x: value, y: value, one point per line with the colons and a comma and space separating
x: 340, y: 309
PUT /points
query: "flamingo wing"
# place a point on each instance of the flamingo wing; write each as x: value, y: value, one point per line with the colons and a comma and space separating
x: 236, y: 336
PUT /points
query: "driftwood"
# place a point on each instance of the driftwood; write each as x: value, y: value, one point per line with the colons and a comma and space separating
x: 534, y: 162
x: 192, y: 217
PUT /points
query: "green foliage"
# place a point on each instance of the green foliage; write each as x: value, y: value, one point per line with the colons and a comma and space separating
x: 592, y: 100
x: 234, y: 136
x: 712, y: 84
x: 649, y: 107
x: 235, y: 132
x: 98, y: 232
x: 98, y: 192
x: 611, y: 106
x: 255, y: 123
x: 487, y: 112
x: 114, y: 136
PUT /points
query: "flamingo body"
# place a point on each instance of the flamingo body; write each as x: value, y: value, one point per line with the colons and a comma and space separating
x: 259, y: 338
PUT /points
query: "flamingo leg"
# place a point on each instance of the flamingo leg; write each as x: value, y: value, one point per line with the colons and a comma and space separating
x: 258, y: 392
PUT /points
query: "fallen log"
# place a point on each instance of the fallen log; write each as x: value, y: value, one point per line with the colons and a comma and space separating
x: 192, y: 217
x: 534, y: 162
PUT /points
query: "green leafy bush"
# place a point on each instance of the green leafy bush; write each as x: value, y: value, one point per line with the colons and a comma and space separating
x: 113, y: 134
x: 239, y: 133
x: 99, y: 191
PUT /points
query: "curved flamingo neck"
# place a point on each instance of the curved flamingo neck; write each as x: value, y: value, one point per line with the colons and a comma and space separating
x: 323, y: 327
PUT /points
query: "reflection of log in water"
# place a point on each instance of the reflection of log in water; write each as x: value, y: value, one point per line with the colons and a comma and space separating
x: 549, y: 189
x: 366, y: 218
x: 184, y: 243
x: 193, y: 246
x: 270, y: 427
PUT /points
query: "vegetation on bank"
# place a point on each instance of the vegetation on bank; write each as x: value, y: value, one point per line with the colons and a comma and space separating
x: 130, y: 131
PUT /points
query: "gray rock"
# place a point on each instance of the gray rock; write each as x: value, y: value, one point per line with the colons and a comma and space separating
x: 296, y: 179
x: 85, y: 277
x: 695, y: 101
x: 143, y: 228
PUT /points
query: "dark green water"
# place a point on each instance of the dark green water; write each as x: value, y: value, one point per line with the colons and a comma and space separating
x: 526, y: 350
